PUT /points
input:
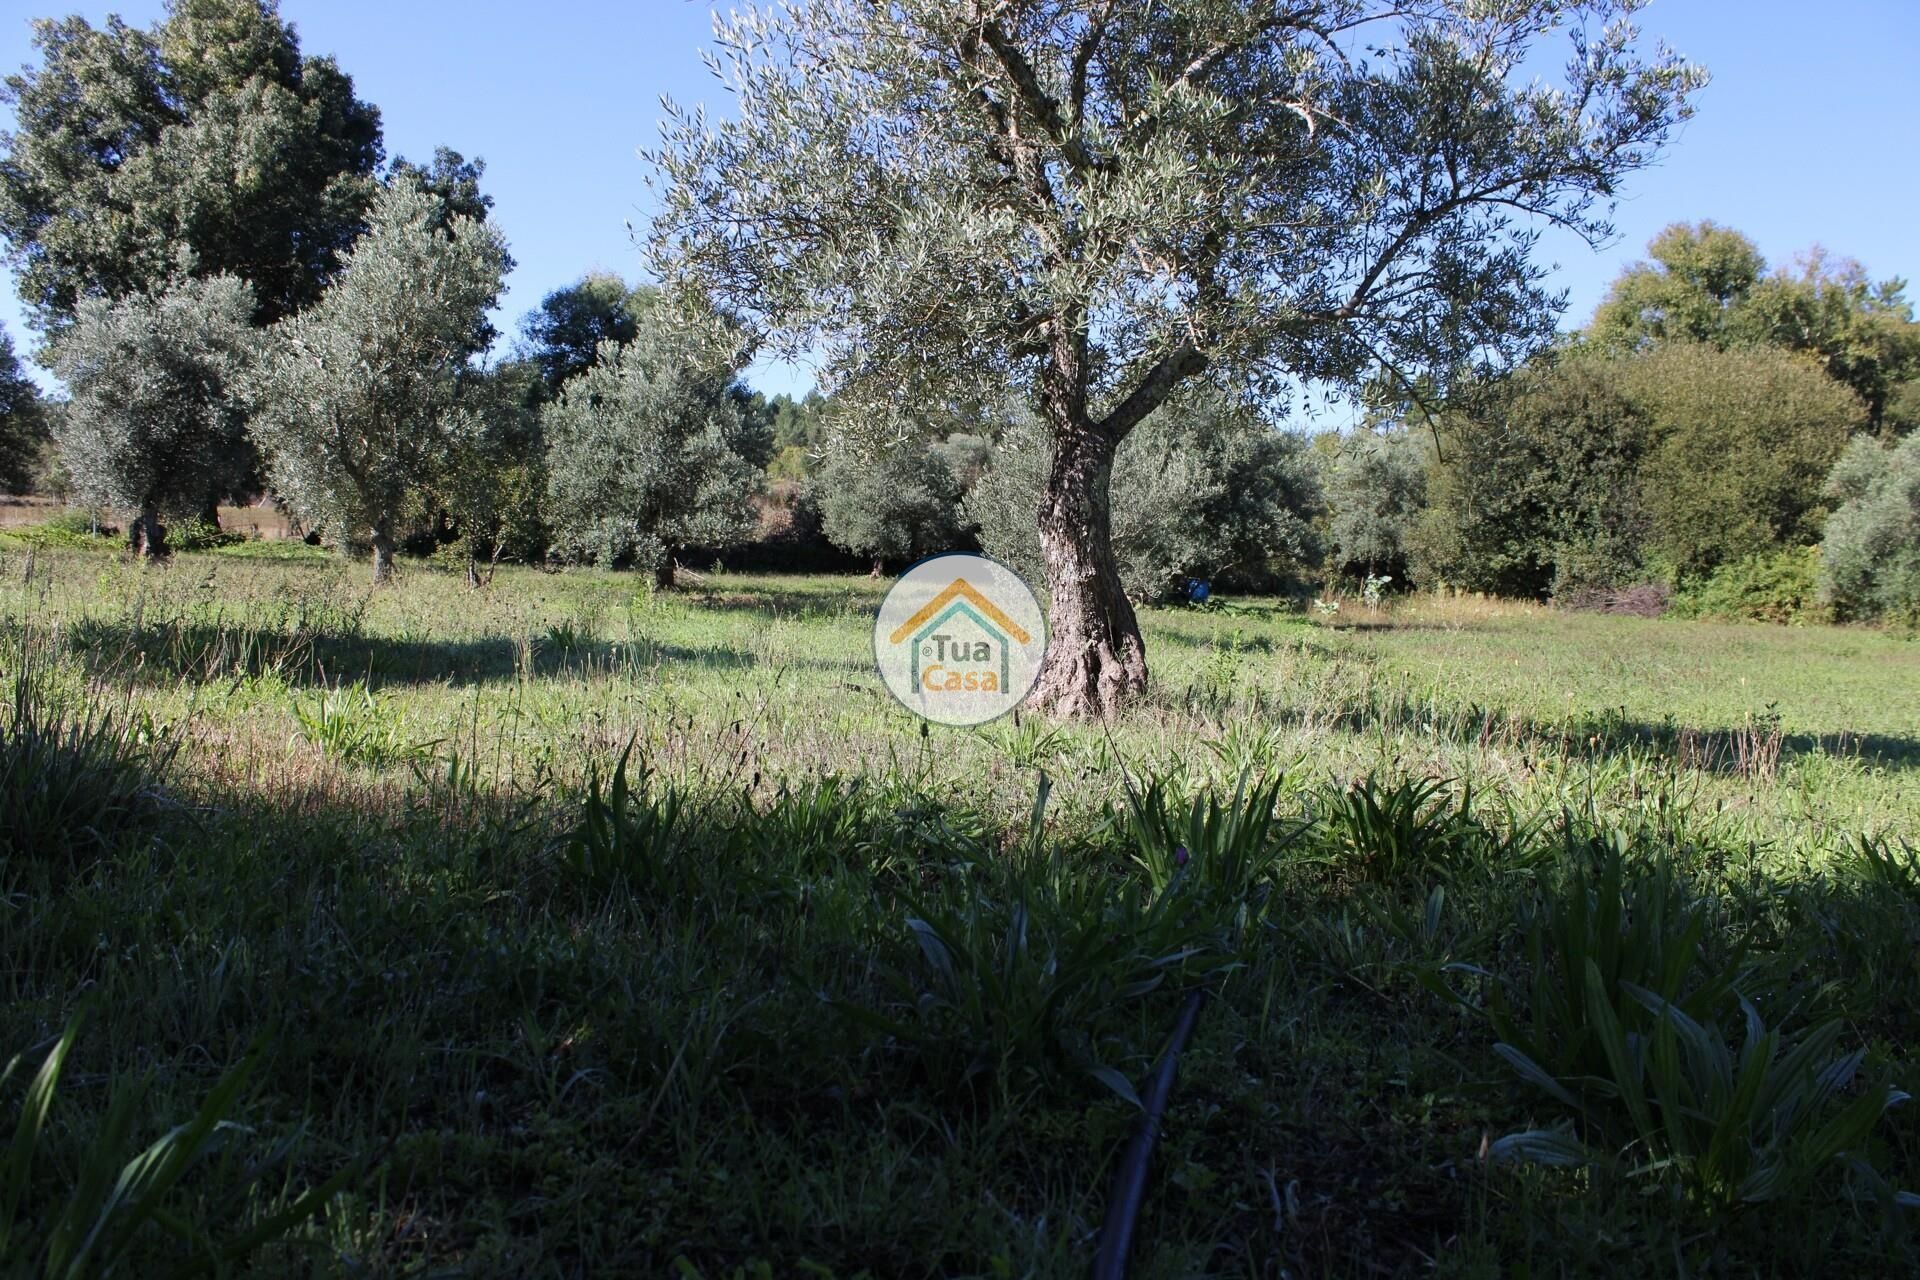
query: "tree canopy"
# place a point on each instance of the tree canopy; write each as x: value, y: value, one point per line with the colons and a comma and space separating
x: 23, y: 421
x: 898, y: 502
x: 1096, y: 200
x: 155, y: 426
x: 1708, y: 284
x: 205, y: 145
x: 563, y: 334
x: 647, y: 451
x: 358, y: 398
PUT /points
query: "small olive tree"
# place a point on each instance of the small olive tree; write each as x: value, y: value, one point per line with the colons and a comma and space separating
x: 154, y: 426
x: 646, y: 451
x: 358, y: 398
x: 1870, y: 560
x: 1376, y: 489
x: 899, y: 502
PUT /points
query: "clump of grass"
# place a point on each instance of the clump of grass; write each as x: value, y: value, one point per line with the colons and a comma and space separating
x: 111, y: 1203
x: 73, y: 783
x: 1623, y: 1026
x: 630, y: 835
x: 1020, y: 972
x: 1230, y: 847
x: 1388, y: 832
x: 354, y: 725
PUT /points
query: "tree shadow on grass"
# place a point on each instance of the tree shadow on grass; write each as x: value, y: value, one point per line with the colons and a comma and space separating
x: 777, y: 604
x: 208, y: 653
x: 1756, y: 749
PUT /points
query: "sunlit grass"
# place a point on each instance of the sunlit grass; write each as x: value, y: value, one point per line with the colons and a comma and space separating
x: 804, y: 982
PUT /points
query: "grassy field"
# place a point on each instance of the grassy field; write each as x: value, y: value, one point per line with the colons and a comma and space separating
x: 1533, y: 943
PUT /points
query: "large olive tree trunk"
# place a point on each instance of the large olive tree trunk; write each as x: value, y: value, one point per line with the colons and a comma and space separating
x: 1095, y: 660
x: 147, y: 537
x: 382, y: 553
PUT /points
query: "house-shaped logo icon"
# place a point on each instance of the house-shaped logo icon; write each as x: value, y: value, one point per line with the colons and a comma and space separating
x: 959, y: 639
x: 940, y: 636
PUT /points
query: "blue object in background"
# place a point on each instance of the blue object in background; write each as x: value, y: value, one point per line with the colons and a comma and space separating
x: 1197, y: 591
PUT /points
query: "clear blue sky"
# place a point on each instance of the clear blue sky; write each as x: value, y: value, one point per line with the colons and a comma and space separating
x: 1806, y: 134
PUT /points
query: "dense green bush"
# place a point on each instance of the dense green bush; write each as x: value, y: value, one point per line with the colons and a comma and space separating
x: 1743, y: 442
x: 1536, y: 491
x: 1775, y: 586
x: 1870, y: 561
x: 69, y: 528
x: 1596, y: 470
x: 199, y: 535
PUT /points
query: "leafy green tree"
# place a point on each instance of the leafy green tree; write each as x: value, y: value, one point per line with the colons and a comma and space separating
x: 1535, y: 489
x: 359, y: 403
x: 1870, y: 558
x: 154, y: 425
x: 1861, y: 332
x: 1376, y: 490
x: 643, y: 452
x: 23, y: 422
x: 563, y: 334
x: 799, y: 423
x: 205, y: 146
x: 1203, y: 488
x: 1698, y: 277
x: 898, y: 503
x: 495, y: 485
x: 1742, y: 444
x: 1094, y: 201
x: 1709, y: 284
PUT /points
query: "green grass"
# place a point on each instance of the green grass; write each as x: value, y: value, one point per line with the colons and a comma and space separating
x: 802, y: 983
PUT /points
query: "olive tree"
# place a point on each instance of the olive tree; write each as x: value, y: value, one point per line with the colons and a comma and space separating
x: 154, y: 426
x: 646, y: 451
x: 358, y: 398
x: 1870, y: 559
x: 1203, y: 488
x: 899, y: 502
x: 1095, y: 201
x: 1376, y: 489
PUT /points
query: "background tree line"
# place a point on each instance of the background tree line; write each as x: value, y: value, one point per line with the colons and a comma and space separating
x: 243, y: 295
x: 1728, y: 433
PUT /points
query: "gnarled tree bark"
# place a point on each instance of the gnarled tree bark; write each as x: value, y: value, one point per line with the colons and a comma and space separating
x: 147, y: 537
x: 1096, y: 661
x: 382, y: 553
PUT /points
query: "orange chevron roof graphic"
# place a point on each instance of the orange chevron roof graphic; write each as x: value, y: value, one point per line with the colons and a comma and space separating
x: 958, y: 590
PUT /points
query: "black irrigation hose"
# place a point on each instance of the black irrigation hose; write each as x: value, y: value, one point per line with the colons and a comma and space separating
x: 1130, y: 1183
